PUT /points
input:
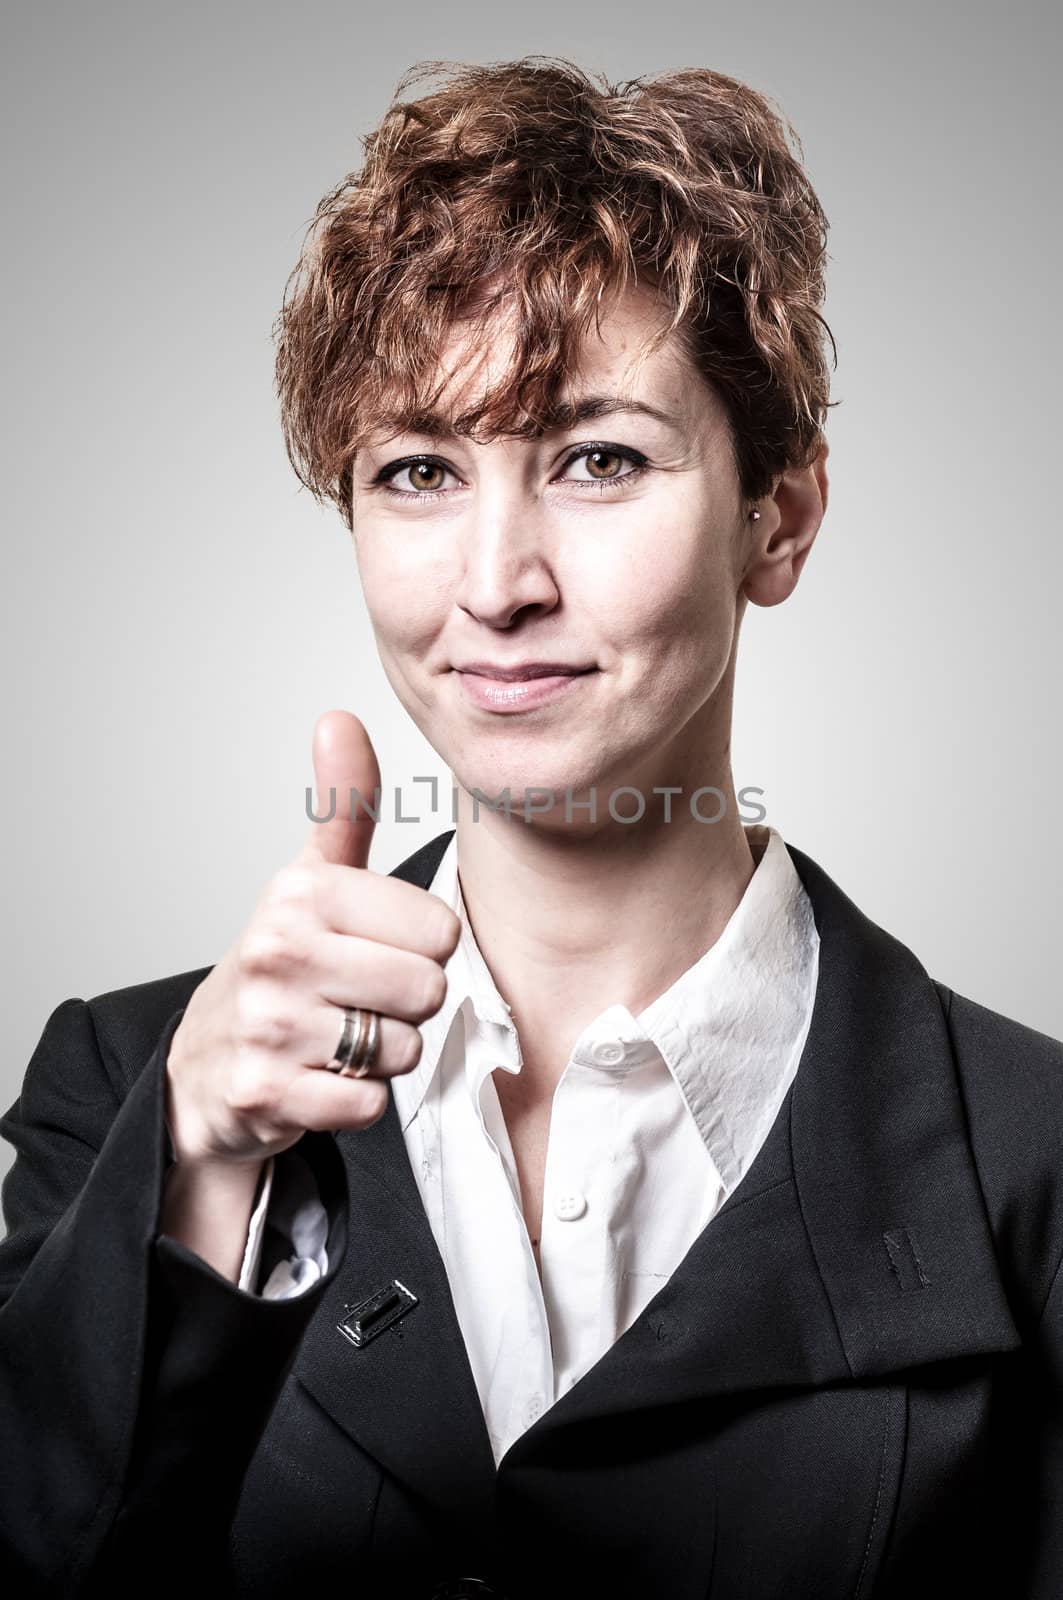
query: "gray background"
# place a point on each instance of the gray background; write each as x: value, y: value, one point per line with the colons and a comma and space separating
x: 179, y: 612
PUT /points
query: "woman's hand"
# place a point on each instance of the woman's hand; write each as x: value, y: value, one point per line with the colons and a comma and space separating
x: 244, y: 1068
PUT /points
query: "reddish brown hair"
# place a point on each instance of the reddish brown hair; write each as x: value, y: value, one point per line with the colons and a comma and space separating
x: 532, y: 175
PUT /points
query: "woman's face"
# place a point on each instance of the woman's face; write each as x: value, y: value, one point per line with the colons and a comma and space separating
x: 613, y: 547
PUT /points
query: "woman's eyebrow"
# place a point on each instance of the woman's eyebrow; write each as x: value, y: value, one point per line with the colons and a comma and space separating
x: 567, y: 413
x: 562, y: 415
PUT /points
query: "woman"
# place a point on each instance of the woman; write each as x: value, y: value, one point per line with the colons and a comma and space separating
x: 598, y: 1204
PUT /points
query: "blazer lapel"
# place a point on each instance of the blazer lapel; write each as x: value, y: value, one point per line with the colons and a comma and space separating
x: 883, y: 1164
x: 856, y: 1245
x: 408, y: 1396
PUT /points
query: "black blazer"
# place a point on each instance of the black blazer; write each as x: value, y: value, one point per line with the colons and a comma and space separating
x: 851, y: 1388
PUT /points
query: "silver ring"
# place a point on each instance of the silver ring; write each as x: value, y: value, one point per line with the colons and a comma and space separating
x: 356, y: 1052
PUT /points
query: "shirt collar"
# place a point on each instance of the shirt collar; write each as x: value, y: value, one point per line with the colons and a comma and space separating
x: 730, y: 1029
x: 733, y: 1026
x: 471, y: 991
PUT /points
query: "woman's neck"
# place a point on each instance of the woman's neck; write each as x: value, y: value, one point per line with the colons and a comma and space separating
x: 569, y: 924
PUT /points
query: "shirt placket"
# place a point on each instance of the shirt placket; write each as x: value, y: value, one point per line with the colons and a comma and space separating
x: 492, y: 1045
x: 577, y: 1207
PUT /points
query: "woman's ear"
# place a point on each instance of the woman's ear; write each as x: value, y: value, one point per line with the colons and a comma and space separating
x: 785, y: 531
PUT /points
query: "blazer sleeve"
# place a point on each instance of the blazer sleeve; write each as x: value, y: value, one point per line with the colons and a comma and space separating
x: 135, y: 1380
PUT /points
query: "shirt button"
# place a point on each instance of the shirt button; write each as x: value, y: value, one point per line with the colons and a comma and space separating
x: 607, y: 1053
x: 570, y: 1205
x: 533, y: 1410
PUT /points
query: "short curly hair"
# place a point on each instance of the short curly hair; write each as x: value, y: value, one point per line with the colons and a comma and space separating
x: 532, y: 175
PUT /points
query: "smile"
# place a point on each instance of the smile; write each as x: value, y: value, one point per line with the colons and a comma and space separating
x: 523, y: 693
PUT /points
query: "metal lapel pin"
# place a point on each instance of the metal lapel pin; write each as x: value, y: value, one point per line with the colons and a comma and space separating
x: 370, y: 1317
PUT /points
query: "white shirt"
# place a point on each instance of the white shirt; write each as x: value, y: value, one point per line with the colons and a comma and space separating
x: 654, y: 1121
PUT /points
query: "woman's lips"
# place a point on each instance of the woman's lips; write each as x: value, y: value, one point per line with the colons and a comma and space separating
x: 518, y: 694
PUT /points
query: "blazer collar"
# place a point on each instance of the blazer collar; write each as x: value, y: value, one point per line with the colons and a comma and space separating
x: 856, y: 1245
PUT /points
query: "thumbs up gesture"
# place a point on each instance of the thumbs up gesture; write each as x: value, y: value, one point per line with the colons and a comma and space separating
x: 243, y: 1072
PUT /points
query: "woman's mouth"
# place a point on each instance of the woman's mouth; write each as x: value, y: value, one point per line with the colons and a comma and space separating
x: 519, y: 688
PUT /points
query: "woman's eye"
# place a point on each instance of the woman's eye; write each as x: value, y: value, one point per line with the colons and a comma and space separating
x: 422, y: 477
x: 419, y: 476
x: 603, y: 465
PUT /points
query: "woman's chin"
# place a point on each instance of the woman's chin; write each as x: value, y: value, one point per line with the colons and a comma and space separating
x: 531, y: 793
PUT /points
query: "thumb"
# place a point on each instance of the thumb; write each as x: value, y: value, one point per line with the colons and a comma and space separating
x: 344, y: 760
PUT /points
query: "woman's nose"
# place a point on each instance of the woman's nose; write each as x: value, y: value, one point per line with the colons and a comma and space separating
x: 507, y: 565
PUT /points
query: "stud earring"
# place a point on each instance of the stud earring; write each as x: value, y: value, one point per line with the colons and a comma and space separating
x: 755, y: 515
